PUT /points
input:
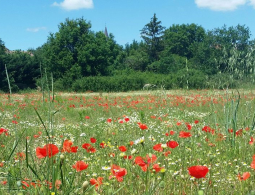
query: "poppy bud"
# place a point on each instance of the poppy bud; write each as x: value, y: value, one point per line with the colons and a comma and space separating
x: 85, y: 185
x: 200, y: 192
x: 62, y: 157
x: 162, y: 184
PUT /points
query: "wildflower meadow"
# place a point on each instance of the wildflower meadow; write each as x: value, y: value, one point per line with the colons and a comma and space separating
x: 148, y: 142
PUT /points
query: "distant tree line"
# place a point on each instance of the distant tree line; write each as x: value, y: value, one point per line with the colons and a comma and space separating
x: 182, y: 56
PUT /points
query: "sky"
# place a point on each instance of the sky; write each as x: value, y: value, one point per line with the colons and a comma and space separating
x: 26, y: 24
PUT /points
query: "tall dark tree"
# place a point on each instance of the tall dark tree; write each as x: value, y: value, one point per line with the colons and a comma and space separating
x: 152, y: 35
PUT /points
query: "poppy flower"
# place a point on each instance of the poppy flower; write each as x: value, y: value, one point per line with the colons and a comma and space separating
x: 253, y: 162
x: 184, y: 134
x: 167, y: 153
x: 188, y: 126
x: 102, y: 145
x: 126, y: 119
x: 80, y: 165
x: 157, y: 168
x: 24, y: 184
x: 196, y: 121
x: 172, y: 144
x: 118, y: 173
x: 178, y: 123
x: 96, y: 182
x: 198, y: 171
x: 109, y: 120
x: 251, y: 141
x: 20, y: 156
x: 128, y: 157
x: 239, y: 132
x: 123, y: 148
x: 86, y: 146
x: 91, y: 150
x: 158, y: 148
x: 93, y: 140
x: 48, y: 150
x: 2, y: 130
x: 145, y: 162
x: 142, y: 126
x: 172, y: 132
x: 245, y: 176
x: 87, y: 117
x: 67, y: 147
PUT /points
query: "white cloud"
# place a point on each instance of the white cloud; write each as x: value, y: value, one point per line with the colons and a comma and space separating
x: 221, y: 5
x: 36, y: 29
x: 75, y: 4
x: 252, y: 2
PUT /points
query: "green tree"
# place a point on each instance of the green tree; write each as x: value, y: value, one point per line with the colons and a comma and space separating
x: 152, y: 35
x: 179, y: 39
x: 76, y: 51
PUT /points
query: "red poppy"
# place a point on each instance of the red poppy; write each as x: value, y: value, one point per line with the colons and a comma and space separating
x: 253, y: 162
x: 131, y: 143
x: 251, y: 141
x: 91, y: 150
x: 123, y: 148
x: 245, y: 176
x: 196, y: 121
x: 102, y: 145
x: 87, y: 117
x: 142, y: 126
x: 93, y: 140
x: 86, y: 146
x: 14, y: 122
x: 97, y: 182
x: 128, y: 157
x: 188, y: 126
x: 2, y: 130
x: 24, y: 184
x: 184, y: 134
x: 198, y: 171
x: 126, y: 119
x: 109, y: 120
x: 239, y: 132
x: 145, y: 162
x: 158, y: 148
x: 80, y: 165
x: 167, y: 153
x: 156, y: 167
x: 118, y: 173
x: 20, y: 156
x: 172, y: 132
x: 172, y: 144
x: 67, y: 147
x: 48, y: 150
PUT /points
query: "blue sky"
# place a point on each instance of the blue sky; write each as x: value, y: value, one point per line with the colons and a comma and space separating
x: 26, y: 24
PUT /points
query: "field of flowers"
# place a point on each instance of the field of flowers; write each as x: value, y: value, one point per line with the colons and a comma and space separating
x: 154, y: 142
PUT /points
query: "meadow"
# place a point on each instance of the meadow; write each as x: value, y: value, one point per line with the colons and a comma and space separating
x: 147, y: 142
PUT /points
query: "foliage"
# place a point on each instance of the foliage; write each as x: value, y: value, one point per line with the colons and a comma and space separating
x: 75, y: 55
x: 152, y: 35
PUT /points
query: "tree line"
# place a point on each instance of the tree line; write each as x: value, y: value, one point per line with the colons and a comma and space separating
x: 181, y: 56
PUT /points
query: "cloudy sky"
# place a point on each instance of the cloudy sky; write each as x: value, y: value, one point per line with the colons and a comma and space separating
x: 26, y: 24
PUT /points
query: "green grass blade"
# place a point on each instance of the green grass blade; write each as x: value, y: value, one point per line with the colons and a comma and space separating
x: 42, y: 123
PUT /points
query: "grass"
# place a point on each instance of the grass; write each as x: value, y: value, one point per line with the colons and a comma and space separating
x: 220, y: 122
